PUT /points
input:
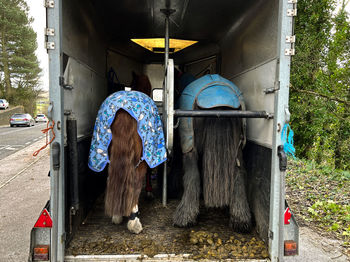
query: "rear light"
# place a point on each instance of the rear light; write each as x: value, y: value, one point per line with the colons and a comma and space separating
x: 290, y: 248
x: 11, y: 119
x: 41, y: 253
x: 25, y: 119
x: 42, y: 228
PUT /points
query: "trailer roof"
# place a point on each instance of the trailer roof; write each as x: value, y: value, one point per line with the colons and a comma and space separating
x: 193, y: 19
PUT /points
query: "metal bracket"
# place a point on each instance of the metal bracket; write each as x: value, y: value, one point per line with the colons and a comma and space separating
x: 62, y: 83
x: 168, y: 11
x: 289, y: 51
x: 49, y: 31
x: 49, y: 3
x: 292, y: 1
x: 272, y: 89
x: 287, y: 114
x: 282, y: 158
x: 290, y: 39
x: 291, y: 12
x: 50, y: 45
x: 67, y: 112
x: 49, y: 110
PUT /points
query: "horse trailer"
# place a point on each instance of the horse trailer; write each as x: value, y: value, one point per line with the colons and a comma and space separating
x: 93, y: 47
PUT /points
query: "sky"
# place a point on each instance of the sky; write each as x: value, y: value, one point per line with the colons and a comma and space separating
x: 37, y: 11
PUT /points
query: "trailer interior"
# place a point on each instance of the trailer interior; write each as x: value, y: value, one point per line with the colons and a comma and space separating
x: 236, y: 39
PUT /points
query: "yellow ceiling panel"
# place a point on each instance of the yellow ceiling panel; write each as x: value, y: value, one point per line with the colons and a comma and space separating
x: 157, y: 45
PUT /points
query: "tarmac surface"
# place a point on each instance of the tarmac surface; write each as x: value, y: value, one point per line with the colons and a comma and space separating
x: 24, y: 190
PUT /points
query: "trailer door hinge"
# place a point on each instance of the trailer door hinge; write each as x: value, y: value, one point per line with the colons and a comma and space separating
x: 49, y: 31
x: 290, y: 38
x: 49, y: 3
x: 289, y: 51
x: 50, y: 45
x: 292, y: 12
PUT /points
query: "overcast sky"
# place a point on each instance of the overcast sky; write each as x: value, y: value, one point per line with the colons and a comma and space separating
x: 37, y: 11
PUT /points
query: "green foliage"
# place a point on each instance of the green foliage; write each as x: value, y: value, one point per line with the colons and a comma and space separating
x: 320, y: 197
x: 320, y: 80
x: 19, y: 66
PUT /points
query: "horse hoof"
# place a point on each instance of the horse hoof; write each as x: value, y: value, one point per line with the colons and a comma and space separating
x: 241, y: 227
x: 117, y: 219
x: 184, y: 219
x: 135, y: 226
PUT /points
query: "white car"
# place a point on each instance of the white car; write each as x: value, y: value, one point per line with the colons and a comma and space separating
x: 40, y: 118
x: 4, y: 104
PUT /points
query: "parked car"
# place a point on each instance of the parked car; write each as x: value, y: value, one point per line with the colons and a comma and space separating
x: 21, y: 120
x: 4, y: 104
x: 40, y: 118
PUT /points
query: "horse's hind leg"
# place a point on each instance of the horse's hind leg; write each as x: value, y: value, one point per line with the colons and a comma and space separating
x: 240, y: 216
x: 134, y: 224
x: 117, y: 219
x: 188, y: 209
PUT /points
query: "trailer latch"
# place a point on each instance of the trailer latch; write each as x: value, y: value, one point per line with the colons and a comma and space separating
x: 282, y: 158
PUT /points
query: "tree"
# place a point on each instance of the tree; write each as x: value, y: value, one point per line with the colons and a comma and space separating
x: 319, y: 97
x: 19, y: 66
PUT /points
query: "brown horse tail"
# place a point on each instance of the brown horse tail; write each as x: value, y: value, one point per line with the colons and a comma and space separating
x: 220, y: 143
x: 125, y: 179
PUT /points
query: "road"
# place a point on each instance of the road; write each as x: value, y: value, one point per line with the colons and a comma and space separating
x: 13, y: 139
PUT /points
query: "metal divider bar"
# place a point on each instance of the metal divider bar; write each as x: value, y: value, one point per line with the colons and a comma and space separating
x: 223, y: 113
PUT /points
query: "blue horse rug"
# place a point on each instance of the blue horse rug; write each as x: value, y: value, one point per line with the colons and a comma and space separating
x: 149, y: 126
x: 207, y: 92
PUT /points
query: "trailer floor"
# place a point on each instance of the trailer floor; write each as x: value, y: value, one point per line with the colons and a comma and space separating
x: 211, y: 238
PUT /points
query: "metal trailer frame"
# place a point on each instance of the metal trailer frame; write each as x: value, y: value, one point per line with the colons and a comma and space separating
x: 287, y: 9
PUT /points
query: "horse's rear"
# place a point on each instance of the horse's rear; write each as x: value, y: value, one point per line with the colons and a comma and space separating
x: 126, y: 171
x: 216, y: 145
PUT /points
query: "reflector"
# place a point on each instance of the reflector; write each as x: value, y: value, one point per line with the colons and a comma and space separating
x: 44, y: 219
x: 287, y: 216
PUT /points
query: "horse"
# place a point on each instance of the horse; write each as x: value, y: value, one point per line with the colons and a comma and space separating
x: 130, y: 122
x: 212, y: 155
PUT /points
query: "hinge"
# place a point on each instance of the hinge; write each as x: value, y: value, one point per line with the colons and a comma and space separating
x: 50, y: 45
x: 270, y: 234
x: 291, y: 12
x: 49, y: 31
x: 292, y: 1
x: 289, y: 51
x: 290, y: 38
x: 49, y: 3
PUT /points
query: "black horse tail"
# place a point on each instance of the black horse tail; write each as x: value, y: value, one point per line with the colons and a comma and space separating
x: 220, y: 145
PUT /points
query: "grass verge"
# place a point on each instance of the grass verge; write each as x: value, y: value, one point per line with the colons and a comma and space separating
x: 320, y: 198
